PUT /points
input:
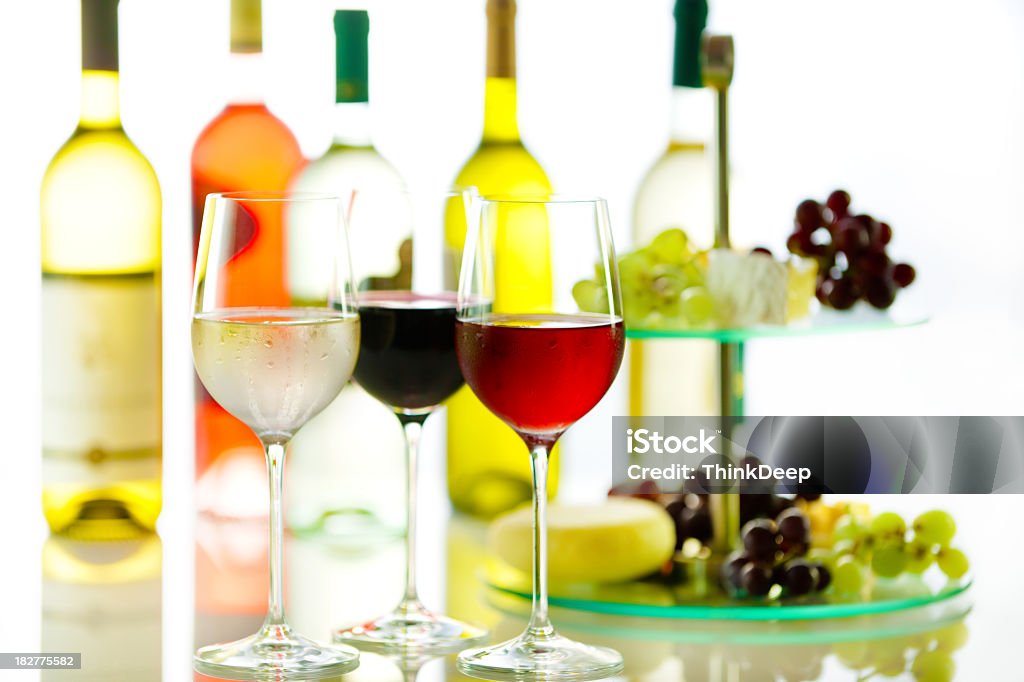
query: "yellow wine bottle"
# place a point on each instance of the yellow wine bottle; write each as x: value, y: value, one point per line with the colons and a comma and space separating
x: 488, y: 464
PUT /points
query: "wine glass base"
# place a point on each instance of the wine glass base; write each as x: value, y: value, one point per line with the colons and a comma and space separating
x: 413, y: 630
x: 275, y: 653
x: 528, y: 657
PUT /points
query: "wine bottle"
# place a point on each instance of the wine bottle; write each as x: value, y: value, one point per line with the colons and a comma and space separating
x: 245, y: 147
x: 488, y: 465
x: 334, y: 489
x: 100, y: 241
x: 677, y: 192
x: 103, y: 600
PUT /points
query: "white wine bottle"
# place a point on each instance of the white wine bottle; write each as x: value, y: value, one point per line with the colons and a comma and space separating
x: 347, y: 464
x: 488, y: 465
x: 100, y: 215
x: 677, y: 192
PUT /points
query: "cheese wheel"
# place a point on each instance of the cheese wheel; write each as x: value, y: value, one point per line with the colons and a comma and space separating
x: 621, y: 539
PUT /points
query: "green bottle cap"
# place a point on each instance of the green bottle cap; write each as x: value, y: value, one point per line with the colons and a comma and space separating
x: 351, y: 30
x: 99, y: 35
x: 691, y: 18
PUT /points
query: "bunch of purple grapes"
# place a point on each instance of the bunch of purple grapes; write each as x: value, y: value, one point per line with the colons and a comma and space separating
x: 851, y: 253
x: 773, y: 560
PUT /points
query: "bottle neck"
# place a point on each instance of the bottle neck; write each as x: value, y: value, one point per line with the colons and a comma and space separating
x: 352, y: 124
x: 100, y: 100
x: 245, y: 77
x: 500, y: 119
x: 692, y: 115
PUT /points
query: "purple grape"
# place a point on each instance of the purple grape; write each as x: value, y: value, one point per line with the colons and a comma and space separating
x: 764, y: 251
x: 824, y: 578
x: 794, y: 530
x: 903, y: 274
x: 734, y: 563
x: 808, y: 215
x: 839, y: 203
x: 696, y: 523
x: 801, y: 578
x: 843, y: 294
x: 880, y: 292
x: 759, y: 539
x: 756, y: 579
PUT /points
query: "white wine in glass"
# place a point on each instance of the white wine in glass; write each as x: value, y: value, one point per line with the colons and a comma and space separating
x: 274, y: 366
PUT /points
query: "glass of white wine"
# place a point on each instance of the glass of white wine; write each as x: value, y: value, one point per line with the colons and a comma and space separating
x: 274, y: 354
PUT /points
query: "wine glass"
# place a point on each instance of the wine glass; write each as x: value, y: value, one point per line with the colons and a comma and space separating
x: 407, y: 361
x: 540, y: 363
x: 274, y: 352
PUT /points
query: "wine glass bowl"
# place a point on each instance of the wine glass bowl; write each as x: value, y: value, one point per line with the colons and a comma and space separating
x: 274, y: 353
x: 539, y: 363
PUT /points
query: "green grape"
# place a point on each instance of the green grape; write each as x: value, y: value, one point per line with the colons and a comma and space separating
x: 889, y: 561
x: 933, y: 666
x: 935, y: 527
x: 953, y: 563
x: 671, y: 246
x: 590, y: 296
x: 697, y: 305
x: 667, y: 282
x: 635, y: 269
x: 845, y: 547
x: 889, y: 657
x: 849, y: 528
x: 919, y: 557
x: 693, y: 273
x: 848, y: 577
x: 951, y: 637
x: 888, y: 525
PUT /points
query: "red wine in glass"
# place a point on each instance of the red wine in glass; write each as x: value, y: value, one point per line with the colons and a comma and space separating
x: 407, y: 354
x: 540, y: 373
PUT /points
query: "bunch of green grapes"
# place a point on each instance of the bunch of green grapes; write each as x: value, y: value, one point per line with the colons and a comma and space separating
x: 662, y: 286
x: 887, y: 547
x: 929, y: 654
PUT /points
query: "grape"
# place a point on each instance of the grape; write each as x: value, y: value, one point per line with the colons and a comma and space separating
x: 759, y: 539
x: 934, y: 527
x: 794, y: 530
x: 697, y: 523
x: 671, y: 246
x: 851, y: 236
x: 800, y: 578
x: 933, y: 666
x: 756, y: 579
x: 880, y: 292
x: 888, y: 525
x: 754, y: 506
x: 903, y: 274
x: 953, y: 563
x: 697, y: 305
x: 881, y: 234
x: 764, y: 251
x: 839, y: 203
x: 843, y: 294
x: 734, y: 563
x: 854, y: 654
x: 889, y: 561
x: 919, y: 557
x: 872, y: 264
x: 800, y: 243
x: 951, y: 637
x: 849, y: 528
x: 824, y: 578
x: 590, y: 296
x: 848, y: 576
x: 808, y: 215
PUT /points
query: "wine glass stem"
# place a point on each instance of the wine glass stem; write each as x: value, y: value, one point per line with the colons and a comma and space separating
x: 275, y: 464
x: 540, y: 624
x: 413, y: 427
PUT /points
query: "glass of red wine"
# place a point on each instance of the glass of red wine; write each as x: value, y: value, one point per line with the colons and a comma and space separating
x: 407, y: 361
x: 539, y: 361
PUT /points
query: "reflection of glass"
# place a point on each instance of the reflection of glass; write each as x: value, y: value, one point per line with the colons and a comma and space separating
x: 540, y: 368
x: 103, y: 599
x: 407, y: 361
x: 273, y: 365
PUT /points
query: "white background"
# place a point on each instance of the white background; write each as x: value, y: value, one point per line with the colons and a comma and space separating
x: 915, y: 106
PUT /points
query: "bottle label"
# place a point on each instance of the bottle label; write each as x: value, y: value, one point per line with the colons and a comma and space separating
x: 101, y: 377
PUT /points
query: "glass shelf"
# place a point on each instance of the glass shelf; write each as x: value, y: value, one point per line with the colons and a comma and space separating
x: 655, y: 600
x: 860, y: 318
